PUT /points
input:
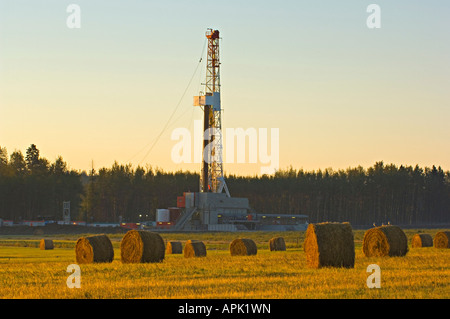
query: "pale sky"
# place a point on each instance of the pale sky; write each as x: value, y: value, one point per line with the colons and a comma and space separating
x: 341, y: 94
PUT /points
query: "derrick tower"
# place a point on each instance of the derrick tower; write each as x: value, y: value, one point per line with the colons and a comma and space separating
x: 211, y: 176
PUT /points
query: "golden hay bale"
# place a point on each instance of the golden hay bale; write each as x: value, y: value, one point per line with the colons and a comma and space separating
x: 46, y: 244
x: 194, y: 248
x: 385, y: 241
x: 329, y: 245
x: 94, y: 249
x: 442, y: 239
x: 141, y: 246
x: 174, y: 247
x: 243, y: 247
x: 277, y: 244
x: 421, y: 240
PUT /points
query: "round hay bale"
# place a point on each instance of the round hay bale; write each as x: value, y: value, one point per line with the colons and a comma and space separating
x: 46, y: 244
x: 385, y: 241
x: 442, y: 239
x: 421, y: 240
x: 194, y: 248
x: 243, y: 247
x: 329, y: 245
x: 174, y: 247
x: 141, y: 246
x: 277, y: 244
x: 94, y: 249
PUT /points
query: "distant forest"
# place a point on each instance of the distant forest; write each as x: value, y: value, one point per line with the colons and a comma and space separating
x: 32, y: 188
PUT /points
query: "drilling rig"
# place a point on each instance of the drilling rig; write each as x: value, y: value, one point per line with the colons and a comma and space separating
x: 211, y: 178
x: 211, y: 209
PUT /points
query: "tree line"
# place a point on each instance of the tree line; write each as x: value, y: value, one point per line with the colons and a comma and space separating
x: 382, y: 193
x: 33, y: 188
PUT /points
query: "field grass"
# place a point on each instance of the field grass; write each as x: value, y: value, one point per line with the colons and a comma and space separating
x: 28, y: 272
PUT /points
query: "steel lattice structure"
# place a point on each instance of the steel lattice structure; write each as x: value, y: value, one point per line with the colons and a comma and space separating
x: 211, y: 177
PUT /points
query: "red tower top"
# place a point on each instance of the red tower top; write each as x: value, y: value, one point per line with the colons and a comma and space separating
x: 212, y: 34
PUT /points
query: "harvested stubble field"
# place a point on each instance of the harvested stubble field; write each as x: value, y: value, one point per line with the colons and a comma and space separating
x: 28, y: 272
